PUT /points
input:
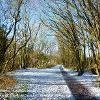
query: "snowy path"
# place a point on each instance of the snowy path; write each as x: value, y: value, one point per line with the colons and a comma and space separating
x: 41, y: 84
x: 85, y: 87
x: 56, y: 83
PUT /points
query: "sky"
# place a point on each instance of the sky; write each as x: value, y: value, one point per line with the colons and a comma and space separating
x: 35, y: 10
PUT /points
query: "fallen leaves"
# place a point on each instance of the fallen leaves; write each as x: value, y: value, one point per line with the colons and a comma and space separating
x: 7, y: 82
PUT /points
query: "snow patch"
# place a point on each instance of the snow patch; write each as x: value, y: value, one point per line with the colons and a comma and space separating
x: 87, y: 79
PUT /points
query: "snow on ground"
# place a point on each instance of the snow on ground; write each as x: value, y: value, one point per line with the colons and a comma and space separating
x: 89, y: 80
x: 41, y: 84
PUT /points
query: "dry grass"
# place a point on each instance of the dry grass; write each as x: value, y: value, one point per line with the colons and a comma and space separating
x: 7, y: 82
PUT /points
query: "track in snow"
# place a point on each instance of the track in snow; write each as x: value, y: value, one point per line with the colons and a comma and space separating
x: 41, y: 84
x: 79, y: 87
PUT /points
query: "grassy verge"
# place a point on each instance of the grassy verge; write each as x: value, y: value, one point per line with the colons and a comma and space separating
x: 7, y: 82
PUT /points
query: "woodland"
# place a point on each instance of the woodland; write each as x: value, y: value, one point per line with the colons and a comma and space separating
x: 75, y: 25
